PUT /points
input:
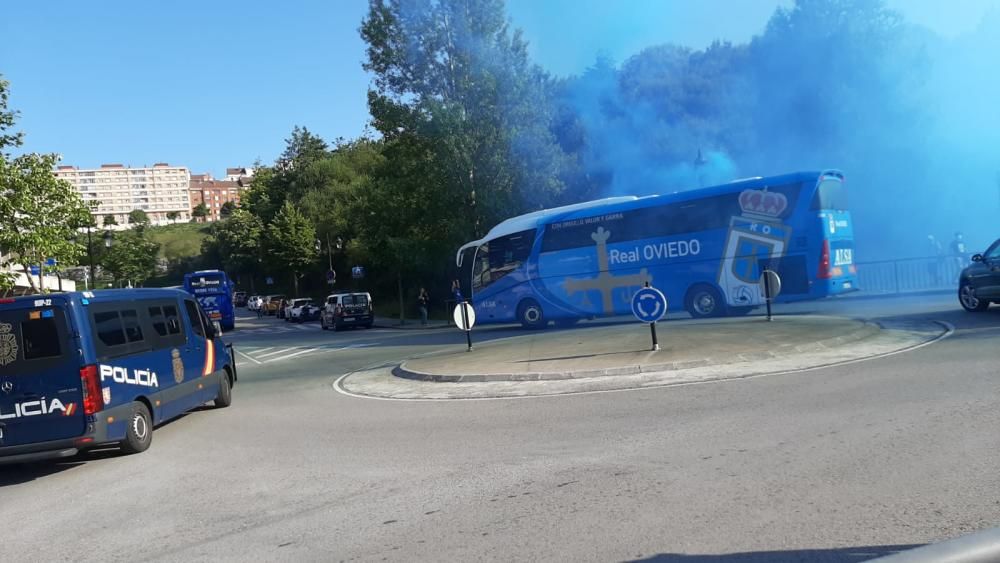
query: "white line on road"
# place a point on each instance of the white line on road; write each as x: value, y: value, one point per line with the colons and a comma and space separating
x: 247, y: 357
x: 292, y: 355
x: 258, y: 350
x: 277, y: 352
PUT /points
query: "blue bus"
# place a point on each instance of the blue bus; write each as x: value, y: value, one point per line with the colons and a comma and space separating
x: 705, y: 249
x: 89, y: 369
x: 214, y: 292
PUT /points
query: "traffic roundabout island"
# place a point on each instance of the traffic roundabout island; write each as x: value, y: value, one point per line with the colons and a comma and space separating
x: 621, y: 356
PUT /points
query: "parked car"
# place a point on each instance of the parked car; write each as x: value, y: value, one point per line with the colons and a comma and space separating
x: 293, y: 305
x: 979, y: 284
x: 311, y: 312
x: 342, y: 310
x: 240, y: 299
x: 272, y: 303
x: 253, y: 303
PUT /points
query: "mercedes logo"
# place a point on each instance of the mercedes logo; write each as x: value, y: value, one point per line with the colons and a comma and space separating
x: 6, y: 387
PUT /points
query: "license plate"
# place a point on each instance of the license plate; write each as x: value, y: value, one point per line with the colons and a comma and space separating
x: 348, y: 318
x: 216, y: 315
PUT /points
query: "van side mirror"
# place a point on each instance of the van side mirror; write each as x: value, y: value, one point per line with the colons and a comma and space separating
x: 977, y: 258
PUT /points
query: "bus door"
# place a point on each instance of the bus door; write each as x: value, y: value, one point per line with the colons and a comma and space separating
x: 41, y: 394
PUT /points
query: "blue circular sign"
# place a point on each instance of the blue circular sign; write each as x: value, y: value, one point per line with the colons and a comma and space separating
x: 649, y: 305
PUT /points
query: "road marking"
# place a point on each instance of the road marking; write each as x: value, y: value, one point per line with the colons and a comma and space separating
x: 247, y: 357
x: 259, y: 350
x: 277, y: 352
x: 292, y: 355
x: 338, y: 383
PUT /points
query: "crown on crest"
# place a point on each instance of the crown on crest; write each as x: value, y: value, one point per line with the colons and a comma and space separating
x: 763, y: 202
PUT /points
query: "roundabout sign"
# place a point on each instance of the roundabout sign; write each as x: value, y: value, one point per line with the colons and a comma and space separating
x: 649, y: 305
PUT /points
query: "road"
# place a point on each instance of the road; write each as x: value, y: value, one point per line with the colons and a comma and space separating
x: 838, y: 464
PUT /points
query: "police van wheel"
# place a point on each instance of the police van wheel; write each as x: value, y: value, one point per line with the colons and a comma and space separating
x: 139, y: 433
x: 225, y: 396
x: 967, y: 297
x: 530, y: 314
x: 704, y: 301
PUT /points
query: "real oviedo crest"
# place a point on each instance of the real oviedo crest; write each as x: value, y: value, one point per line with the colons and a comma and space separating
x: 755, y: 236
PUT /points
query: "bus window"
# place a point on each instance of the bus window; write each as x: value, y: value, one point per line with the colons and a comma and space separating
x: 830, y: 195
x: 481, y: 270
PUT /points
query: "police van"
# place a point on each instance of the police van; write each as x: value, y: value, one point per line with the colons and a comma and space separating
x: 86, y: 369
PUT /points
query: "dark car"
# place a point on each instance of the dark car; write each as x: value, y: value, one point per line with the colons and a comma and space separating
x: 979, y: 284
x: 240, y: 299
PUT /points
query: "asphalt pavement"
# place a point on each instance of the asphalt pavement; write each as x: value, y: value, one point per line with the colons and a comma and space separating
x: 842, y: 463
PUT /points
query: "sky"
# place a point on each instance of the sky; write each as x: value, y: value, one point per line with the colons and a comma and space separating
x: 210, y: 85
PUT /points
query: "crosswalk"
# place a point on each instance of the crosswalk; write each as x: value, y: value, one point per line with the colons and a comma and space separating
x: 250, y: 328
x: 269, y: 354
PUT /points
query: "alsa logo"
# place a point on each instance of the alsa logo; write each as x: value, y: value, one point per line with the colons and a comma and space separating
x: 142, y: 377
x: 38, y: 408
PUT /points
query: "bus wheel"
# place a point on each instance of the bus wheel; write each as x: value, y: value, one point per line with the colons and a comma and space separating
x: 139, y: 433
x: 704, y: 301
x: 529, y: 312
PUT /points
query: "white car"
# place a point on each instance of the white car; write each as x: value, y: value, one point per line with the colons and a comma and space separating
x: 293, y: 311
x: 254, y: 302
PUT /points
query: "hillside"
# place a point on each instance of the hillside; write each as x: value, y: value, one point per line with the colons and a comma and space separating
x: 179, y: 241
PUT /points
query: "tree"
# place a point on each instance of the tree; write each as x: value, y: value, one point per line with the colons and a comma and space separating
x: 132, y: 257
x: 38, y: 211
x: 138, y: 217
x: 110, y: 221
x: 291, y: 242
x: 200, y: 211
x: 172, y: 216
x: 227, y: 209
x: 237, y: 242
x: 7, y: 120
x: 301, y: 148
x: 451, y: 76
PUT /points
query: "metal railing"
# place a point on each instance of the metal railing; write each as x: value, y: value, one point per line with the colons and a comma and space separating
x: 910, y: 274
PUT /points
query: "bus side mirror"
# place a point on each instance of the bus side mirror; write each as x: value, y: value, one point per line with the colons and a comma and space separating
x: 977, y: 258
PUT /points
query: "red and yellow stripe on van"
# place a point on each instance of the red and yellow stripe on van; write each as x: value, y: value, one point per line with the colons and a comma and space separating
x: 209, y: 358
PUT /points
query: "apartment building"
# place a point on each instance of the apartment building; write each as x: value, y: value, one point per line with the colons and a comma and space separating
x: 158, y: 190
x: 213, y: 193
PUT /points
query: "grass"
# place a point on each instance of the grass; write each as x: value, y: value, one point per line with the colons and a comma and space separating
x: 181, y: 240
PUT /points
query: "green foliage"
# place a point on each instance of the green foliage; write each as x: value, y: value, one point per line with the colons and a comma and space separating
x: 172, y: 216
x: 110, y: 221
x: 138, y: 217
x: 7, y: 120
x: 131, y: 257
x: 291, y: 242
x: 200, y: 211
x: 180, y: 241
x: 227, y: 209
x: 236, y: 242
x: 39, y: 213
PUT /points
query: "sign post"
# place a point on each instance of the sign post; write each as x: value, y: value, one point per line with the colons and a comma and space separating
x: 331, y: 276
x: 770, y: 282
x: 650, y: 305
x: 465, y: 318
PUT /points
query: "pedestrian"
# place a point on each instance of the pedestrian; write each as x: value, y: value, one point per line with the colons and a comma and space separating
x: 259, y: 307
x: 423, y: 301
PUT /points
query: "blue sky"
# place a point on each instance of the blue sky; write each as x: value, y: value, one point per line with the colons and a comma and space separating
x: 221, y: 83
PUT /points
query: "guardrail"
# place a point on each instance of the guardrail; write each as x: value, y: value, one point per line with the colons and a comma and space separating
x: 910, y: 274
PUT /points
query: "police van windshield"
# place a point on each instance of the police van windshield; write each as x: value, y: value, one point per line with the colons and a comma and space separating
x: 31, y: 339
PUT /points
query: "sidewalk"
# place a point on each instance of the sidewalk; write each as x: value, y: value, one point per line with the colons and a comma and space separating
x: 386, y: 322
x: 626, y: 349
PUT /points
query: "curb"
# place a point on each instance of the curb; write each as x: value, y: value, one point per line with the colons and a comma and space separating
x: 866, y: 330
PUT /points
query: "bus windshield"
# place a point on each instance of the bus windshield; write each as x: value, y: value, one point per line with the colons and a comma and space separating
x: 830, y: 195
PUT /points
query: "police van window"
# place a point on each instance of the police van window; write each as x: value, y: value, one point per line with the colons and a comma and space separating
x: 195, y: 316
x: 40, y: 338
x: 173, y: 320
x: 158, y: 320
x: 109, y: 328
x: 130, y: 322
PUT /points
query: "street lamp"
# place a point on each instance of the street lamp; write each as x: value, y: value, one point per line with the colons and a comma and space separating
x: 107, y: 239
